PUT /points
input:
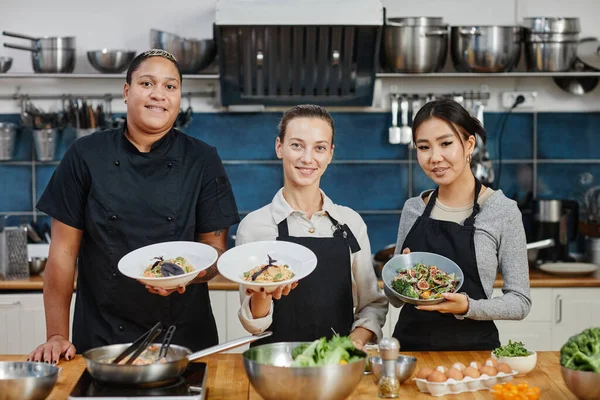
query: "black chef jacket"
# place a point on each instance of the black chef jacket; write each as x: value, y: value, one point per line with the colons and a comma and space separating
x: 122, y: 200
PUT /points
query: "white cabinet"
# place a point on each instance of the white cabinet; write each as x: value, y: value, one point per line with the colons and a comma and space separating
x: 22, y: 322
x: 575, y: 309
x: 556, y: 314
x: 218, y: 302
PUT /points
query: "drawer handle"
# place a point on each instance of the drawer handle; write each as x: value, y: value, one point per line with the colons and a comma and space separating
x: 558, y: 309
x: 11, y: 304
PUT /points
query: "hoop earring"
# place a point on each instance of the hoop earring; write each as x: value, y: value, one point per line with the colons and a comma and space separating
x: 469, y: 158
x: 125, y: 101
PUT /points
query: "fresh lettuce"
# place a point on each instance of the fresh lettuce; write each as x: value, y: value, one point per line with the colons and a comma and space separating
x: 337, y: 350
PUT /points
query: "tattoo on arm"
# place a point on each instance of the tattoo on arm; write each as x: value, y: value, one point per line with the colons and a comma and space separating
x: 211, y: 271
x: 219, y: 232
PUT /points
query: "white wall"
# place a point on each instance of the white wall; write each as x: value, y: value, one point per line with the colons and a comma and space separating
x: 126, y: 25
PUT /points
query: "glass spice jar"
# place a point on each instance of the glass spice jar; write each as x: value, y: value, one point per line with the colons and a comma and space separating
x: 389, y: 385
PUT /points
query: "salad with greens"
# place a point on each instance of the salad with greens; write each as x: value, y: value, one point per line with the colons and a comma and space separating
x: 338, y: 350
x: 424, y: 282
x: 512, y: 349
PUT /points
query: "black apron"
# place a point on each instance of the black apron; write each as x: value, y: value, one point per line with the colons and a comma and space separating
x: 431, y: 330
x: 323, y: 300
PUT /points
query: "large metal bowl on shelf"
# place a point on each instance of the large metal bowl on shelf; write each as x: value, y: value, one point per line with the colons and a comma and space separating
x: 27, y: 380
x: 268, y: 370
x: 110, y: 61
x: 193, y: 55
x: 490, y: 48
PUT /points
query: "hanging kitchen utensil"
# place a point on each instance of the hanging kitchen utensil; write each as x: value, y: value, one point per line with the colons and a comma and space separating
x: 481, y: 164
x: 416, y: 106
x: 394, y: 132
x: 406, y: 131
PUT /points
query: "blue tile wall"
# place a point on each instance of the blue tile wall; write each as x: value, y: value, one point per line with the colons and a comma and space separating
x: 568, y: 136
x: 370, y: 186
x: 15, y: 188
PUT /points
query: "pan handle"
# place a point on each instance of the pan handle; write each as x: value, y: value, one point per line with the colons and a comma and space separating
x: 228, y: 345
x: 19, y: 36
x: 14, y: 46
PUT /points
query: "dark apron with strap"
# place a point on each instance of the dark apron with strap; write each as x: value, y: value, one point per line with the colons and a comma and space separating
x: 323, y: 300
x: 431, y: 330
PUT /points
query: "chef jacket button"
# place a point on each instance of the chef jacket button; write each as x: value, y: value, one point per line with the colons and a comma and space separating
x: 311, y: 230
x: 117, y: 163
x: 121, y: 328
x: 169, y: 219
x: 113, y: 217
x: 114, y: 274
x: 170, y: 164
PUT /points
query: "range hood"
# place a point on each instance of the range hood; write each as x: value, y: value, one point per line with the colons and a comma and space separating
x: 276, y: 53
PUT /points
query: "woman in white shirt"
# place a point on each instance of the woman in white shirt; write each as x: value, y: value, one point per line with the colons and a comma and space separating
x: 342, y: 293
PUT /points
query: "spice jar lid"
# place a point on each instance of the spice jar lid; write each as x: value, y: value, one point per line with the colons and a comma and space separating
x: 389, y: 348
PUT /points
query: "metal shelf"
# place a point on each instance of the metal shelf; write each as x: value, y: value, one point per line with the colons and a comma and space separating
x: 488, y: 75
x: 93, y: 76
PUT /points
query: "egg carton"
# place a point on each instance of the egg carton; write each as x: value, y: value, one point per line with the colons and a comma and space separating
x: 467, y: 384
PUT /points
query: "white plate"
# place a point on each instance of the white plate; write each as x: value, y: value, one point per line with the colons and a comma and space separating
x: 234, y: 262
x: 199, y: 255
x: 567, y: 268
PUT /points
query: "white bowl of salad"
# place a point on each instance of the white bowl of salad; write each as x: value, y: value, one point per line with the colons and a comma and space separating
x: 168, y: 265
x: 267, y: 265
x: 516, y: 356
x: 420, y: 278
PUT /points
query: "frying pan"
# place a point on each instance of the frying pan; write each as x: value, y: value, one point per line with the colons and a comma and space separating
x: 156, y: 374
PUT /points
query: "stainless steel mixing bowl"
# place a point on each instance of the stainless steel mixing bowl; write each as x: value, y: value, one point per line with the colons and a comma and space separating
x: 26, y: 380
x: 405, y: 366
x: 267, y: 367
x: 585, y: 385
x: 110, y: 61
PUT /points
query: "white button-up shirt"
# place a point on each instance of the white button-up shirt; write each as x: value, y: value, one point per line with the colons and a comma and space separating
x: 370, y: 305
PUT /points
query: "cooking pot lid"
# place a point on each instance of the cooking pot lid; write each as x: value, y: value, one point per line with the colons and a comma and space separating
x: 589, y: 53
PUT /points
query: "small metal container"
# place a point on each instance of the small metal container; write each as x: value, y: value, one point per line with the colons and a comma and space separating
x: 45, y: 141
x: 405, y: 366
x: 27, y: 380
x: 8, y: 138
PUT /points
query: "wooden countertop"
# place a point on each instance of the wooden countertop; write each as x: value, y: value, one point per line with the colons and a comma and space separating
x: 538, y: 279
x: 227, y: 378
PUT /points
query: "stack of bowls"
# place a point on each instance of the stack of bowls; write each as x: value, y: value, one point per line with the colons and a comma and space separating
x: 551, y: 43
x: 415, y: 45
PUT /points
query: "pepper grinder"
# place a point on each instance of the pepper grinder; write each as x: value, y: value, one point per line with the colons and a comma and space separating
x: 389, y: 385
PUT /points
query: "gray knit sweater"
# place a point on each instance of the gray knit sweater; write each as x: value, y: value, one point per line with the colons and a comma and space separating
x: 500, y: 246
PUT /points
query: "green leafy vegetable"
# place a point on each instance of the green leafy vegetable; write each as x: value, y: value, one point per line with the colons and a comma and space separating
x: 404, y: 288
x: 337, y: 350
x: 512, y: 349
x: 582, y: 351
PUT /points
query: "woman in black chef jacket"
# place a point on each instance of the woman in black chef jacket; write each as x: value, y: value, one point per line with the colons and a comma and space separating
x: 341, y: 294
x: 478, y: 228
x: 118, y: 190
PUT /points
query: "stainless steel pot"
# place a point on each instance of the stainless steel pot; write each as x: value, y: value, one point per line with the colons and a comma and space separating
x: 177, y: 357
x: 415, y: 45
x: 27, y: 380
x: 550, y: 52
x: 48, y: 54
x: 552, y: 24
x: 485, y: 48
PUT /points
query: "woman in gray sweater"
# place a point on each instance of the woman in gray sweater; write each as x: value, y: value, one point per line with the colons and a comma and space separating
x: 478, y: 228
